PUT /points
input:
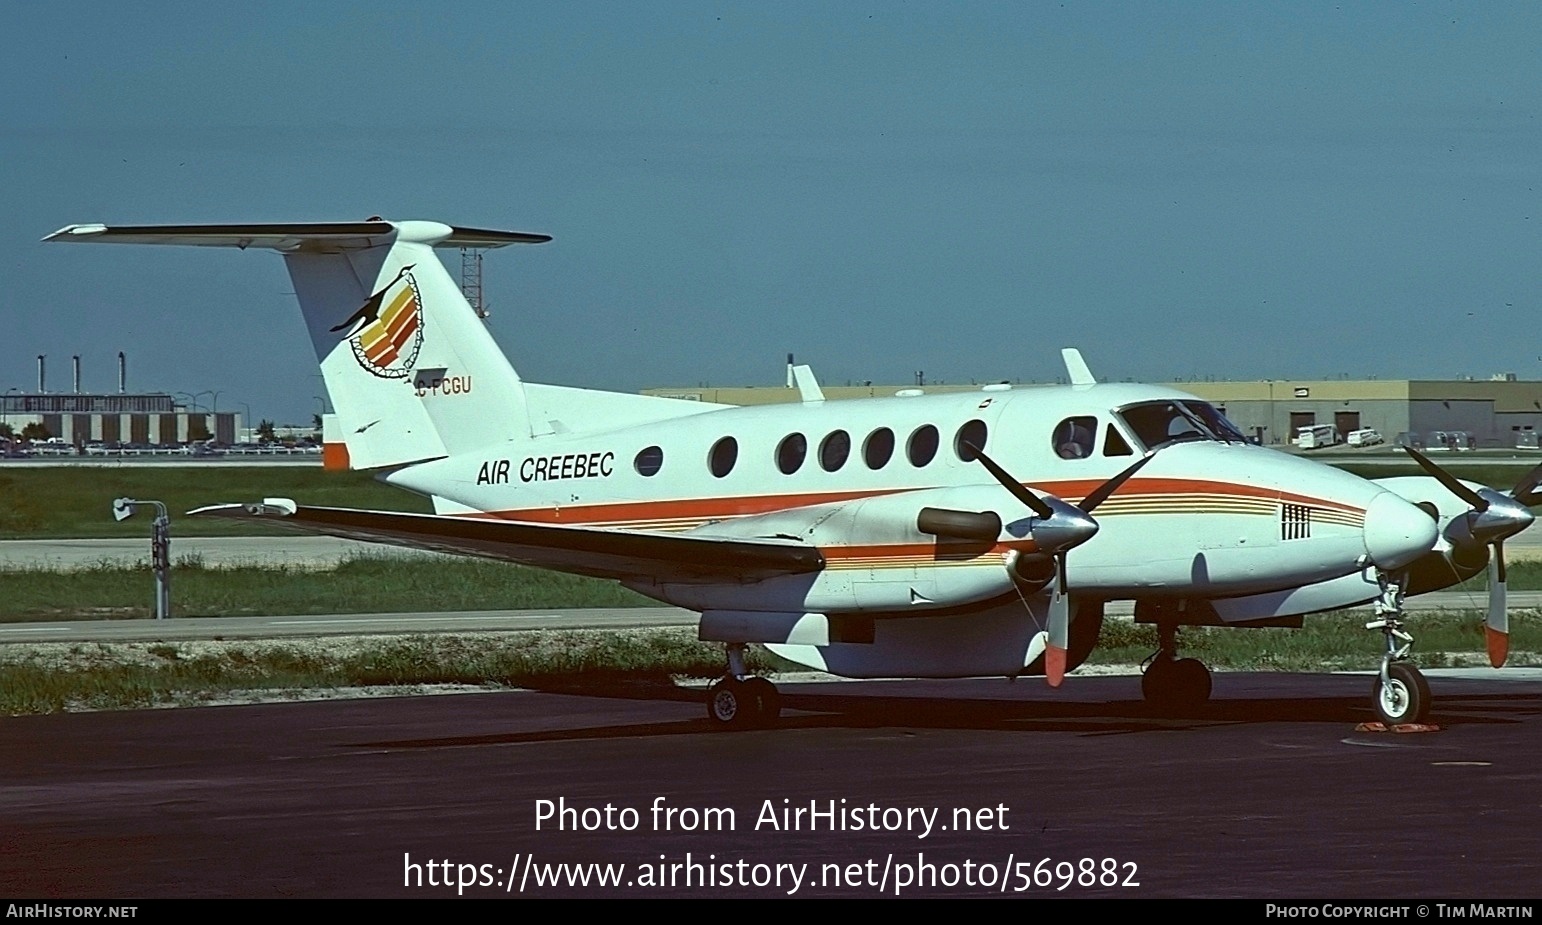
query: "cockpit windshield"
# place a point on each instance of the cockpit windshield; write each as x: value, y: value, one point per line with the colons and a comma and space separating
x: 1159, y: 423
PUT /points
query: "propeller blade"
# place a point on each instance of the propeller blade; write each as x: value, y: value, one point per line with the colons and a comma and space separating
x: 1059, y: 628
x: 1525, y: 490
x: 1474, y: 500
x: 1101, y: 493
x: 1032, y: 501
x: 1036, y: 648
x: 1496, y: 630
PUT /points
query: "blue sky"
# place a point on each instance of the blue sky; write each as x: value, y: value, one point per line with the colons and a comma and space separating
x: 1227, y: 190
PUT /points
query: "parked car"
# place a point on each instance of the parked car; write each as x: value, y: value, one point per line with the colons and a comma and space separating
x: 1365, y: 436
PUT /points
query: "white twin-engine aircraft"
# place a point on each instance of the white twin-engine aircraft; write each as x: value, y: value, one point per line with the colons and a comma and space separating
x: 946, y: 535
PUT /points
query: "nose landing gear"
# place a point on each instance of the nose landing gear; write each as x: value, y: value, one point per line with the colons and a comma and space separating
x: 1400, y: 694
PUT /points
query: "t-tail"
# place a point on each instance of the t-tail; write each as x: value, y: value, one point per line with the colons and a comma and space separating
x: 412, y: 372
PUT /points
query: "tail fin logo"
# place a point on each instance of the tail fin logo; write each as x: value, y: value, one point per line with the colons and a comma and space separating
x: 387, y: 330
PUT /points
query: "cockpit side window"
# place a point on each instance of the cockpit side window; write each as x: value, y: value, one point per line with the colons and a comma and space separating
x: 1161, y: 422
x: 1073, y: 437
x: 1114, y: 443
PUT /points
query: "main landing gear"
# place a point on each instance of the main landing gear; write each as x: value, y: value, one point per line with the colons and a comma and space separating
x: 740, y: 701
x: 1400, y: 694
x: 1170, y: 682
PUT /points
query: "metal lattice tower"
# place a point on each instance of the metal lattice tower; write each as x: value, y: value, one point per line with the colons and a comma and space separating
x: 471, y: 279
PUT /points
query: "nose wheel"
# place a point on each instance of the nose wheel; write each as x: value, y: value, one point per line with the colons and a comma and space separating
x: 1402, y: 696
x: 740, y: 701
x: 1170, y: 682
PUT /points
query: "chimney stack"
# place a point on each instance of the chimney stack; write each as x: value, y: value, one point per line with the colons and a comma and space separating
x: 41, y: 382
x: 122, y: 373
x: 75, y: 360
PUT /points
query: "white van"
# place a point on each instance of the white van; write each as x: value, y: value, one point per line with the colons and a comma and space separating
x: 1316, y: 436
x: 1365, y: 436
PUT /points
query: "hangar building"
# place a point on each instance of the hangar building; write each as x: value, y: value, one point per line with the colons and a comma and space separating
x: 79, y: 418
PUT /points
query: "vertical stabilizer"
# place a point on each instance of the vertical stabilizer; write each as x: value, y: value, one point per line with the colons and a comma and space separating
x: 412, y: 372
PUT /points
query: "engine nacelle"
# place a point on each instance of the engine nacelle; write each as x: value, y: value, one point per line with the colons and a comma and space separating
x: 907, y: 551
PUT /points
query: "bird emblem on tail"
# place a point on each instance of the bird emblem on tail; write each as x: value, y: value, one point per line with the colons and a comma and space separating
x: 386, y: 332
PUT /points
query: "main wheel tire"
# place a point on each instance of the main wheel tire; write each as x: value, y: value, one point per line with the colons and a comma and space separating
x: 1170, y: 683
x: 1404, y: 697
x: 729, y: 705
x: 1190, y: 682
x: 767, y: 700
x: 1156, y: 681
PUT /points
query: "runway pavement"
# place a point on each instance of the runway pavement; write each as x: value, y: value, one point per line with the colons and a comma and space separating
x: 344, y: 624
x: 965, y: 788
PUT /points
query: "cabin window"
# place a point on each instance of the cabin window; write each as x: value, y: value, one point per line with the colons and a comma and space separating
x: 969, y: 438
x: 922, y: 445
x: 791, y: 452
x: 724, y: 454
x: 878, y: 448
x: 649, y: 461
x: 1114, y: 444
x: 1074, y: 436
x: 834, y: 449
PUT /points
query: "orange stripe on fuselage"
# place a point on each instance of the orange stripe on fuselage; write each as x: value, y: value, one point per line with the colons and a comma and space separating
x: 704, y: 509
x: 927, y: 552
x: 684, y: 508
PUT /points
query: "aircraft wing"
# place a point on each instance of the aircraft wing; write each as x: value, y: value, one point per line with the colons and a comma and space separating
x: 590, y: 551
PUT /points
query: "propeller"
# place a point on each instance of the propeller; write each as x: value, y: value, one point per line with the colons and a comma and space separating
x: 1062, y: 526
x: 1494, y: 516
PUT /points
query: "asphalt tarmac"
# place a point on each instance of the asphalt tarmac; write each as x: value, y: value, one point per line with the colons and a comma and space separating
x: 964, y: 788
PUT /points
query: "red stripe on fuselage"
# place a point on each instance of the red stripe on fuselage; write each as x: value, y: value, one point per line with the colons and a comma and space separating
x: 744, y: 505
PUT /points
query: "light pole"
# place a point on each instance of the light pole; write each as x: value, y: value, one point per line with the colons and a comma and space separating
x: 160, y: 549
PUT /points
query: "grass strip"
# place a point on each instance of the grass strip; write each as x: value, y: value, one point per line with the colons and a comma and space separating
x: 76, y: 501
x: 359, y: 584
x: 1335, y: 641
x: 55, y: 677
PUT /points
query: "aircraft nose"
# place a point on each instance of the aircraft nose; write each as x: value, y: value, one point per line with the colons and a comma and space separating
x: 1397, y: 532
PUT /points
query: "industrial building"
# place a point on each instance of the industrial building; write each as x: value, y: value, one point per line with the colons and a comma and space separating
x: 78, y: 418
x: 1498, y: 412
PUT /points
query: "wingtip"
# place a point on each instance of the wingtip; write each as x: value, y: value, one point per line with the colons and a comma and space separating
x: 88, y: 229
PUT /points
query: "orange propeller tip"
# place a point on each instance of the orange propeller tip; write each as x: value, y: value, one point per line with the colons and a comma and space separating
x: 1054, y: 665
x: 1498, y: 646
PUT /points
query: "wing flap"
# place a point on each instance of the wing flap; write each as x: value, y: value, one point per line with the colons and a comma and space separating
x: 595, y: 552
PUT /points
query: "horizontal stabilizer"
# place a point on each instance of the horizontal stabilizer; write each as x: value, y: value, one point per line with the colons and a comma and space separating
x: 321, y: 237
x: 578, y: 550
